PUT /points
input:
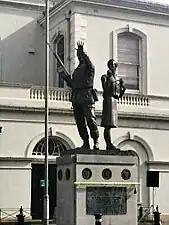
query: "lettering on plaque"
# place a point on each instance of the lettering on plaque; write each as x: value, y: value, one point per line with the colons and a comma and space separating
x: 106, y: 200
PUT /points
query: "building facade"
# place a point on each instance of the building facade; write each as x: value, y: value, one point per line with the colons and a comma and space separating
x: 132, y: 33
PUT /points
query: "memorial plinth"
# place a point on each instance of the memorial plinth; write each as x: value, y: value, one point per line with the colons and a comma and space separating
x: 90, y: 182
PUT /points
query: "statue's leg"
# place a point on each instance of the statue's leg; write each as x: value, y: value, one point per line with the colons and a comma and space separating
x: 91, y: 122
x: 81, y: 125
x: 107, y: 138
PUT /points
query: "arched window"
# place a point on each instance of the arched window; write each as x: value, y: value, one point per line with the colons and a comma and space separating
x: 129, y: 59
x: 56, y: 146
x: 59, y: 48
x: 129, y: 49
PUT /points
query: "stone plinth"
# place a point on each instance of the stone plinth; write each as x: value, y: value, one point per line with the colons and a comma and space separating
x: 90, y: 182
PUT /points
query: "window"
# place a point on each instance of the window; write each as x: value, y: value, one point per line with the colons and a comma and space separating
x: 128, y: 55
x: 55, y: 147
x: 128, y: 47
x: 59, y: 48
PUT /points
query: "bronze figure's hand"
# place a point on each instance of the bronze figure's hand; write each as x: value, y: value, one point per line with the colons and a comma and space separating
x: 80, y: 45
x: 122, y: 88
x: 116, y: 96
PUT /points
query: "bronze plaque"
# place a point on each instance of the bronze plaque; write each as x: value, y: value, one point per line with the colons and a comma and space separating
x: 106, y: 200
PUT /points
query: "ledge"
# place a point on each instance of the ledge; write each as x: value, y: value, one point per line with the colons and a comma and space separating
x: 22, y: 4
x: 29, y: 159
x: 158, y: 163
x: 161, y: 166
x: 68, y: 111
x: 65, y: 117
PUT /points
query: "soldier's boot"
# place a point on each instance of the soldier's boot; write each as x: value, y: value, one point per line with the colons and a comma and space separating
x: 86, y: 144
x: 96, y: 144
x: 110, y: 146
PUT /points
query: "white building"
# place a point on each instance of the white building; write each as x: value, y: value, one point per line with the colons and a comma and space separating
x: 135, y: 35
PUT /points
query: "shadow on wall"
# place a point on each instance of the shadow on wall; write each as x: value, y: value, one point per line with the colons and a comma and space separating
x: 17, y: 64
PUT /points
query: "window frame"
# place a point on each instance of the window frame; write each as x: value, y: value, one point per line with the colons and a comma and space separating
x: 55, y: 67
x: 142, y: 55
x: 137, y: 65
x: 58, y: 146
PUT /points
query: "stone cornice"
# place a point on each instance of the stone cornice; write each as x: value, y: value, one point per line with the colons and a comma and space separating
x: 161, y: 166
x: 137, y: 6
x: 32, y: 109
x: 28, y: 159
x: 65, y: 117
x: 24, y: 159
x: 124, y: 114
x: 133, y: 5
x: 158, y: 163
x: 56, y: 9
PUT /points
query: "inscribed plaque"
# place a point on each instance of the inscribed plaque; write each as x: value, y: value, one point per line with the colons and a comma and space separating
x: 106, y: 200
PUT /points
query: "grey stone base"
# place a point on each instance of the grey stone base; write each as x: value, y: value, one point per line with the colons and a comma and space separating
x: 99, y: 152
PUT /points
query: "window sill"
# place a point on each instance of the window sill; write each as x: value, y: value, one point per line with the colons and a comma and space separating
x: 128, y: 91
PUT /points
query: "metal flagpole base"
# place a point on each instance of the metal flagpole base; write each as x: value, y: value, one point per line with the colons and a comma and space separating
x: 46, y: 210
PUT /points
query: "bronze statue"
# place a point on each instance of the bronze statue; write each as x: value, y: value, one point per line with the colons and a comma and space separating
x: 113, y: 89
x: 84, y: 97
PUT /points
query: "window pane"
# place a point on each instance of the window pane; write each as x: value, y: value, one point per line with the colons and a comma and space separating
x: 128, y: 59
x: 60, y: 46
x: 61, y: 56
x: 58, y: 76
x: 128, y: 41
x: 128, y: 48
x: 130, y: 75
x: 128, y: 70
x: 130, y: 86
x: 60, y: 69
x: 128, y: 56
x: 61, y: 80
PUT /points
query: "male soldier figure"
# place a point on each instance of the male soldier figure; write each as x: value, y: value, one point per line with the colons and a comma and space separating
x: 112, y: 91
x: 83, y: 98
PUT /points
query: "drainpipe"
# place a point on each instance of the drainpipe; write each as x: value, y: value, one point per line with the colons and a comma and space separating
x: 68, y: 16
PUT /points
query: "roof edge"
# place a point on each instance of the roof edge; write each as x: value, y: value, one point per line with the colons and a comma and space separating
x: 140, y: 6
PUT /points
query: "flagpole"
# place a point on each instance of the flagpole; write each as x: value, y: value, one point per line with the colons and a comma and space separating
x: 46, y: 167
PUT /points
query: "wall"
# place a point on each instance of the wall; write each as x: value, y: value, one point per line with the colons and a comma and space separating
x: 21, y: 134
x: 161, y: 195
x: 19, y: 33
x: 22, y: 131
x: 21, y: 128
x: 15, y: 186
x: 101, y: 21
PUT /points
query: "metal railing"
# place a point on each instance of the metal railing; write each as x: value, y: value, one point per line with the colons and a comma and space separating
x: 9, y: 214
x: 145, y: 213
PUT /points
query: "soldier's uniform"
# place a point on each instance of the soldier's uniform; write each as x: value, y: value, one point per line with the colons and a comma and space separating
x: 83, y: 100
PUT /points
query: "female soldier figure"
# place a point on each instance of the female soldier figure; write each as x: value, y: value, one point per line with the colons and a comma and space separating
x: 113, y: 89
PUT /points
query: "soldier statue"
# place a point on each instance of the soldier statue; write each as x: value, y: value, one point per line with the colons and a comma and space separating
x: 113, y: 89
x: 83, y: 98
